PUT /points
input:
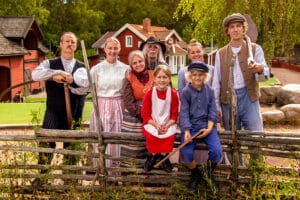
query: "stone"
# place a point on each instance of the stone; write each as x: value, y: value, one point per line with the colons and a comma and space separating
x: 273, y: 115
x: 291, y: 111
x: 268, y: 94
x: 289, y: 94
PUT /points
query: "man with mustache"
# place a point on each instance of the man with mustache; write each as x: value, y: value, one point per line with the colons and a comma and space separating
x: 57, y: 72
x: 154, y: 52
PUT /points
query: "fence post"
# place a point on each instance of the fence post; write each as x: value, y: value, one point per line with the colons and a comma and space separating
x: 232, y: 102
x: 101, y: 147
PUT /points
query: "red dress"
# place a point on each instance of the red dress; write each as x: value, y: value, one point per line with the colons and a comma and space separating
x: 154, y: 144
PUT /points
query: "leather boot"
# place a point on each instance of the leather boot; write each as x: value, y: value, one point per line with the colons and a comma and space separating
x: 196, y: 176
x: 151, y: 159
x: 167, y: 166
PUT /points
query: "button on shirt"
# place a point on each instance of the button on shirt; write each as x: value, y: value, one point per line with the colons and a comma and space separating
x: 197, y: 107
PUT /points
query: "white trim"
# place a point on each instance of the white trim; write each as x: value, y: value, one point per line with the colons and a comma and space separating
x: 171, y: 33
x: 128, y: 41
x: 137, y: 33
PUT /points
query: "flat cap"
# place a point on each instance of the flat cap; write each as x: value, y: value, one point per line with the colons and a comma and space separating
x: 235, y: 17
x: 198, y: 65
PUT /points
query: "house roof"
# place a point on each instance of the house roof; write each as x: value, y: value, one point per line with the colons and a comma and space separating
x: 159, y: 32
x: 8, y: 48
x: 100, y: 42
x: 18, y: 27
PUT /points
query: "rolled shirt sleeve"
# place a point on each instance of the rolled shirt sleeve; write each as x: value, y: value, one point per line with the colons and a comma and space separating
x: 260, y: 59
x: 81, y: 79
x: 43, y: 72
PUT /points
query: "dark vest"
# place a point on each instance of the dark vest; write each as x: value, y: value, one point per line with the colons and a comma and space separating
x: 251, y: 84
x: 56, y: 95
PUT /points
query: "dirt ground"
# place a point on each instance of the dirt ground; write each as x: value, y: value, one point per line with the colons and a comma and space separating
x: 286, y: 76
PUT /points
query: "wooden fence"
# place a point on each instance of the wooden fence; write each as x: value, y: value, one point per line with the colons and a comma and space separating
x: 19, y: 152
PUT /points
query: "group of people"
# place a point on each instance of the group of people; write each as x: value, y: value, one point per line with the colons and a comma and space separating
x: 139, y: 98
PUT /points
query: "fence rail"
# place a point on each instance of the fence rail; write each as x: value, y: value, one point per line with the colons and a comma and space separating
x: 18, y: 166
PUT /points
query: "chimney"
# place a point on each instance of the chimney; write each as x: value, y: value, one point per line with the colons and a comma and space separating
x: 147, y: 25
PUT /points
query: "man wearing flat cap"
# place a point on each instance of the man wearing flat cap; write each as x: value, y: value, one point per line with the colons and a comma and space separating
x: 245, y: 76
x: 154, y: 51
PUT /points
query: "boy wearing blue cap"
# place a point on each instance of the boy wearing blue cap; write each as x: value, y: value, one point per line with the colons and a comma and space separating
x: 198, y: 113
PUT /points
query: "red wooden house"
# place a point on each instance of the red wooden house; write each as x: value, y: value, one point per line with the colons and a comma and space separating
x: 132, y: 35
x: 21, y: 50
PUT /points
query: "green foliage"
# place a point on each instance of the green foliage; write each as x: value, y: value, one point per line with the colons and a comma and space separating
x: 266, y: 183
x: 78, y: 17
x: 25, y: 8
x: 36, y: 118
x: 201, y: 19
x: 275, y: 20
x: 13, y: 177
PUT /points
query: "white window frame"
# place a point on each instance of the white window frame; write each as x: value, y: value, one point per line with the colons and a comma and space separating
x: 128, y: 41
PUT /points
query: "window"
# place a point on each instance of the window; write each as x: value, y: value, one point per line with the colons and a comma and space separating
x: 128, y: 41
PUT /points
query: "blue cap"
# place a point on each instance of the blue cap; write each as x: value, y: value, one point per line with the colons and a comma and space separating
x: 198, y: 65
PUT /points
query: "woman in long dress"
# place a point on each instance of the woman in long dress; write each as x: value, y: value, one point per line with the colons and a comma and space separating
x: 109, y: 77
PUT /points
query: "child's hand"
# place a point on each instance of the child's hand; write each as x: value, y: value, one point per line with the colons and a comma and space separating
x: 187, y: 136
x: 205, y: 132
x: 162, y: 129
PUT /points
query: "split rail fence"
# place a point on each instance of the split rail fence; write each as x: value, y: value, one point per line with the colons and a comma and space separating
x: 19, y: 152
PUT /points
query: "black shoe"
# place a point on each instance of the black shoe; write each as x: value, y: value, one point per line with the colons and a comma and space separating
x: 196, y: 177
x: 36, y: 182
x: 167, y: 166
x: 90, y: 173
x: 151, y: 159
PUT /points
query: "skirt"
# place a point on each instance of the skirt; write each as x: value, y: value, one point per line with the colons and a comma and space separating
x: 159, y: 145
x: 111, y: 114
x: 132, y: 124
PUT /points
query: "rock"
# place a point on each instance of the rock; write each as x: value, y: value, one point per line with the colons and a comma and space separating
x: 268, y: 94
x: 291, y: 111
x: 273, y: 115
x: 289, y: 94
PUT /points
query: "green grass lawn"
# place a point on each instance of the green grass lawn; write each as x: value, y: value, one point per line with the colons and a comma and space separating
x: 175, y: 81
x: 271, y: 81
x: 22, y: 113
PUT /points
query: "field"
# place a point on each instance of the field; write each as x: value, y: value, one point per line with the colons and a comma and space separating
x: 24, y: 113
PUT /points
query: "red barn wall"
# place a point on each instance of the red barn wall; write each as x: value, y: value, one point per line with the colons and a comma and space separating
x: 16, y: 73
x: 31, y: 61
x: 126, y: 50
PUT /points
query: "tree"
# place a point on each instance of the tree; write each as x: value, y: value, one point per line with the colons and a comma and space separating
x: 120, y: 12
x: 276, y: 21
x: 33, y: 8
x: 75, y: 16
